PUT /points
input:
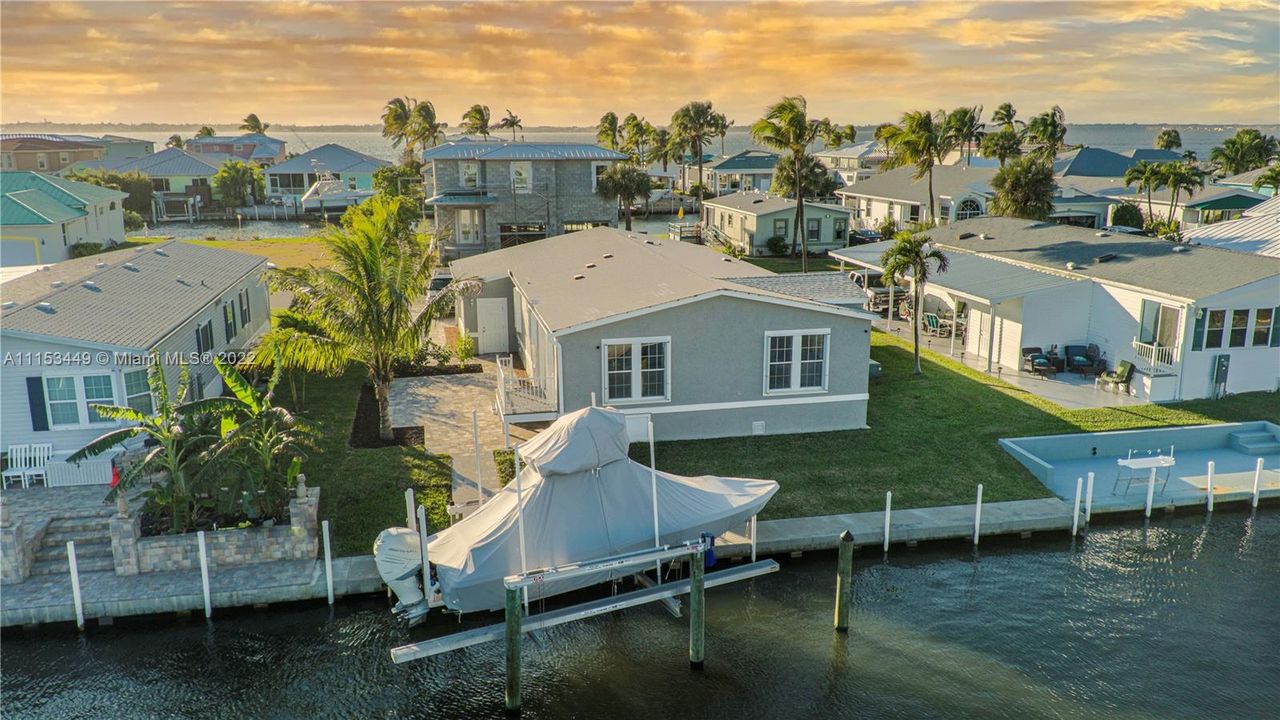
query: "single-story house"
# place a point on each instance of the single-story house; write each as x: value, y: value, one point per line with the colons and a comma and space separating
x: 1213, y: 203
x: 250, y: 147
x: 42, y: 216
x: 746, y: 220
x: 291, y: 179
x: 960, y: 192
x: 1196, y: 321
x: 664, y: 330
x: 747, y: 170
x: 80, y: 332
x: 1245, y: 181
x: 181, y: 183
x: 855, y: 162
x: 1257, y: 230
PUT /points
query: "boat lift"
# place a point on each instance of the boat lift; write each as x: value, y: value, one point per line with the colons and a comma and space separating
x: 518, y: 622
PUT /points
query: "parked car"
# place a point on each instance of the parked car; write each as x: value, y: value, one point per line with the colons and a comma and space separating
x: 877, y: 294
x: 864, y: 237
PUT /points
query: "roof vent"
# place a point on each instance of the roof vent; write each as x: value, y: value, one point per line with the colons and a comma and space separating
x: 590, y: 265
x: 757, y: 201
x: 650, y: 242
x: 91, y: 284
x: 130, y: 266
x: 1103, y: 234
x: 727, y: 259
x: 964, y: 236
x: 8, y: 304
x: 56, y: 284
x: 579, y: 276
x: 46, y: 306
x: 100, y: 265
x: 180, y: 280
x: 1105, y: 257
x: 985, y: 236
x: 161, y: 252
x: 1179, y: 248
x: 606, y: 256
x: 271, y: 266
x: 1071, y: 266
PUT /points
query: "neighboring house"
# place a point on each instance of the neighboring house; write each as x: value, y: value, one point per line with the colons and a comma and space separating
x: 1152, y: 155
x: 747, y: 170
x: 1245, y: 181
x: 1257, y: 230
x: 1213, y: 203
x: 1197, y: 322
x: 44, y: 215
x: 46, y: 153
x: 960, y: 192
x: 747, y: 220
x: 120, y: 147
x: 852, y: 163
x: 291, y: 179
x: 80, y: 332
x: 254, y: 147
x: 663, y: 330
x: 181, y: 182
x: 491, y: 195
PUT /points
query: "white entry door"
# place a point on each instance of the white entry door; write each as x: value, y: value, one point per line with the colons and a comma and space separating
x: 491, y: 322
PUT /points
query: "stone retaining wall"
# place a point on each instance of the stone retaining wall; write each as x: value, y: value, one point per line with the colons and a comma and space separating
x: 299, y: 540
x: 17, y: 547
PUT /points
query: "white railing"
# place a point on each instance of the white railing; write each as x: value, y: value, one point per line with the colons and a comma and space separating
x: 1153, y: 357
x: 527, y: 394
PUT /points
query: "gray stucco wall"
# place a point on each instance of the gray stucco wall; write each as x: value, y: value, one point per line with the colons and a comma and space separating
x: 498, y: 288
x: 717, y: 356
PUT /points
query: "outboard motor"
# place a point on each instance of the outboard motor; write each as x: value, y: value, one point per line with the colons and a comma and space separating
x: 398, y: 555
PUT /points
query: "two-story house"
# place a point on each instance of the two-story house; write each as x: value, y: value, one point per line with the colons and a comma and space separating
x: 254, y: 147
x: 852, y: 163
x: 81, y: 333
x: 291, y: 180
x: 46, y: 153
x: 488, y: 195
x: 42, y: 216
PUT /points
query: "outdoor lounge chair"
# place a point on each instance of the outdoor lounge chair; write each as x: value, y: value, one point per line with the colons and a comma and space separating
x: 18, y: 463
x: 1121, y: 377
x: 934, y: 326
x: 1086, y: 360
x: 1035, y: 361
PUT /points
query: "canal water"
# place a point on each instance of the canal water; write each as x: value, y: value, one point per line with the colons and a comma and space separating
x: 1177, y: 620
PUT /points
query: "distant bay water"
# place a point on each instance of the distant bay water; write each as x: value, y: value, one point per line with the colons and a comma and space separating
x: 1112, y: 137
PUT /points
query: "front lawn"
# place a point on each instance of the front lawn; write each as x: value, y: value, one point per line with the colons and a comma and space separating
x: 790, y: 264
x: 932, y: 440
x: 362, y: 489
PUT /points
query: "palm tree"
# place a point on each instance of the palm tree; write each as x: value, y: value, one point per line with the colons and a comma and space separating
x: 367, y: 306
x: 205, y: 131
x: 236, y: 180
x: 966, y: 129
x: 817, y: 179
x: 1004, y: 117
x: 1189, y: 155
x: 921, y: 140
x: 1247, y: 150
x: 833, y: 135
x: 633, y: 137
x: 1270, y: 178
x: 397, y: 122
x: 475, y: 121
x: 786, y: 127
x: 1168, y: 139
x: 694, y: 124
x: 626, y: 183
x: 251, y: 124
x: 1049, y: 129
x: 722, y: 128
x: 425, y: 125
x: 910, y: 258
x: 1024, y: 189
x: 175, y: 141
x: 510, y: 122
x: 1148, y: 177
x: 1182, y: 177
x: 664, y: 150
x: 607, y: 130
x: 1001, y: 144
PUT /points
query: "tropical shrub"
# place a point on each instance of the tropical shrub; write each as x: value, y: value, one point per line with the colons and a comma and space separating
x: 1165, y: 229
x: 132, y: 220
x: 236, y: 180
x: 887, y: 227
x: 83, y: 249
x: 777, y: 245
x: 700, y: 192
x: 1127, y: 214
x: 136, y: 184
x: 465, y: 349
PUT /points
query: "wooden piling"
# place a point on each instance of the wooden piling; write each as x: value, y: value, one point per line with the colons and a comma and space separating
x: 697, y: 610
x: 844, y: 582
x: 514, y: 640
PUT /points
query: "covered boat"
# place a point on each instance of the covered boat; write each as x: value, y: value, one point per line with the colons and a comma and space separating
x: 580, y: 498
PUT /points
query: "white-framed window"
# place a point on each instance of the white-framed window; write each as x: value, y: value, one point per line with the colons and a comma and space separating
x: 42, y: 161
x: 467, y: 222
x: 6, y: 161
x: 98, y: 390
x: 64, y: 158
x: 796, y: 361
x: 469, y: 174
x: 137, y: 392
x: 637, y: 369
x: 780, y: 227
x: 61, y: 399
x: 160, y: 184
x: 1264, y: 327
x: 522, y: 177
x: 204, y: 337
x: 597, y: 169
x: 245, y: 312
x: 968, y: 208
x: 1239, y: 328
x: 68, y: 397
x: 813, y: 229
x: 229, y: 320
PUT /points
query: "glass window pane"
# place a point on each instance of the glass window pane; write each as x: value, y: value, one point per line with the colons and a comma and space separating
x: 780, y: 362
x: 60, y: 388
x: 1213, y: 335
x: 618, y: 382
x: 812, y: 360
x: 97, y: 390
x: 653, y: 370
x: 1239, y: 327
x: 1262, y: 327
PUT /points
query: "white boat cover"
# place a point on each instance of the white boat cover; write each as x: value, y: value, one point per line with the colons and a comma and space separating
x: 583, y: 499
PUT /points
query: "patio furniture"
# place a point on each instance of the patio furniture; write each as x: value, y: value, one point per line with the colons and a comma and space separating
x: 934, y: 326
x: 1084, y: 359
x: 18, y: 463
x: 1121, y: 377
x: 40, y: 455
x: 1035, y: 361
x: 1129, y: 467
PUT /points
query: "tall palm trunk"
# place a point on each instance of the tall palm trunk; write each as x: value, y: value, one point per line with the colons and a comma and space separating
x: 382, y: 390
x: 628, y: 211
x: 933, y: 213
x: 800, y: 231
x: 1150, y: 213
x: 1173, y: 203
x: 915, y: 317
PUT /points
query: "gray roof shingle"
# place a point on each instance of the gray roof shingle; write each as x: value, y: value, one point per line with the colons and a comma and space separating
x: 754, y: 202
x: 332, y: 157
x: 471, y: 150
x: 899, y: 184
x: 138, y: 296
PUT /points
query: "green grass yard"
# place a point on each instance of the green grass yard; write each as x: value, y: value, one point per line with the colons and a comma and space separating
x: 789, y: 264
x: 932, y: 439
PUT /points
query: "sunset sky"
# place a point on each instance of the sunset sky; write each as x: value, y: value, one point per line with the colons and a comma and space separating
x: 1212, y: 61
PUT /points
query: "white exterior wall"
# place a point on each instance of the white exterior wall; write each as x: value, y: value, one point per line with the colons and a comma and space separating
x: 1252, y: 368
x: 1054, y: 317
x: 40, y: 244
x: 1008, y: 333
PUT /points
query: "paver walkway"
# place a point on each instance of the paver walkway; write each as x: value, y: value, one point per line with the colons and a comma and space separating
x: 443, y: 406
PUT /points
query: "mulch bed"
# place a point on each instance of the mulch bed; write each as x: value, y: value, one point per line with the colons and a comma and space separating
x: 415, y: 370
x: 364, y: 429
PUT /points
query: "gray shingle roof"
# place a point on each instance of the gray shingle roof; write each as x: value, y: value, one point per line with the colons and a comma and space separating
x: 1245, y: 178
x: 900, y: 185
x: 754, y: 202
x: 642, y: 273
x: 833, y: 287
x: 870, y: 148
x: 470, y: 150
x: 333, y: 157
x: 1181, y: 271
x: 137, y: 298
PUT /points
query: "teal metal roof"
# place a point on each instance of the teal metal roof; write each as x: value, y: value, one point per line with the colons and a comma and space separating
x: 746, y: 160
x: 331, y: 157
x: 33, y: 207
x: 68, y: 192
x: 459, y: 199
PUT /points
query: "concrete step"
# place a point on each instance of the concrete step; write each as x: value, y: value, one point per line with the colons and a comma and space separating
x: 55, y: 535
x: 85, y: 524
x: 58, y: 551
x: 1255, y: 443
x: 84, y: 565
